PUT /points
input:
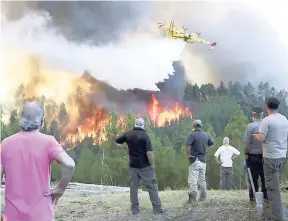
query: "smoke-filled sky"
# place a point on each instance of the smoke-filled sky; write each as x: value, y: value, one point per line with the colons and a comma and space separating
x: 86, y: 21
x: 113, y: 53
x: 251, y: 39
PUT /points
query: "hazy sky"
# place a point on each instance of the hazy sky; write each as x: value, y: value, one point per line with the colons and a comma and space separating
x: 251, y: 39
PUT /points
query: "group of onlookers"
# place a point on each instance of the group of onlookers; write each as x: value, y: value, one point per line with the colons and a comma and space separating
x: 265, y: 156
x: 265, y: 153
x: 26, y: 159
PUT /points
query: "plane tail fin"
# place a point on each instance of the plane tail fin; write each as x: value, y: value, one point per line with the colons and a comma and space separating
x: 213, y: 45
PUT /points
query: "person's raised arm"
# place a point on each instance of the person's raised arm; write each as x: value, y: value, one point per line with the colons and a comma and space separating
x: 149, y: 151
x: 235, y: 152
x: 120, y: 139
x: 68, y: 169
x: 263, y: 130
x: 57, y: 153
x: 217, y: 156
x: 210, y: 142
x: 247, y: 139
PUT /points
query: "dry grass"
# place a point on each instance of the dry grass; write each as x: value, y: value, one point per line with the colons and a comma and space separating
x: 220, y: 205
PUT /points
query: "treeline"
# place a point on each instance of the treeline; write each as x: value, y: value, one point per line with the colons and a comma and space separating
x: 225, y: 111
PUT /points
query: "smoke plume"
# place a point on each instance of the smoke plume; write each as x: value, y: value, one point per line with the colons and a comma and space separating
x: 85, y: 21
x: 251, y: 40
x: 139, y: 62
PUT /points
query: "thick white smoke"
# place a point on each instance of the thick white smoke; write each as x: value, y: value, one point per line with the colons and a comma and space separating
x: 137, y: 64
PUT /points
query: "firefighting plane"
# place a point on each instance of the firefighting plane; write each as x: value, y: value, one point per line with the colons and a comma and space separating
x: 180, y: 33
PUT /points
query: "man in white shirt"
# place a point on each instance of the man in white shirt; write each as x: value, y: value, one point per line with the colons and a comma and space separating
x: 224, y: 156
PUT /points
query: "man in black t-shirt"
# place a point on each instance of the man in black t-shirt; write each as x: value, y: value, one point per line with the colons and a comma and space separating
x: 196, y: 146
x: 141, y: 166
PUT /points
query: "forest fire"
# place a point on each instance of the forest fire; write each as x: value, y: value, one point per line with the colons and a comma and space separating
x: 73, y: 104
x: 160, y: 115
x: 94, y: 126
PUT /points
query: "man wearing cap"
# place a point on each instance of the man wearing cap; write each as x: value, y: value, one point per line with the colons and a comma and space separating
x: 141, y: 166
x: 273, y: 133
x: 253, y: 153
x: 196, y: 145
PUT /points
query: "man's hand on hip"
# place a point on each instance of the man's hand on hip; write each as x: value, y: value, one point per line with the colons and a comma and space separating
x: 55, y: 193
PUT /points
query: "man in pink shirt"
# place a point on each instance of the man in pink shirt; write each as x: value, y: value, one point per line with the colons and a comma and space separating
x: 26, y: 159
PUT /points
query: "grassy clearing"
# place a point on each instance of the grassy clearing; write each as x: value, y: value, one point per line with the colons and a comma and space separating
x: 220, y: 205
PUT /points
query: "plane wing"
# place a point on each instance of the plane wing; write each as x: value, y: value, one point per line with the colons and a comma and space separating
x: 179, y: 33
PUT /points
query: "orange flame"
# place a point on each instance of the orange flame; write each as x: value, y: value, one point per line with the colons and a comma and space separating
x: 160, y: 115
x: 94, y: 126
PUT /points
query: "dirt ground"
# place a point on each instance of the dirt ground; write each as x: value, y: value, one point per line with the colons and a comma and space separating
x: 115, y: 206
x: 220, y: 205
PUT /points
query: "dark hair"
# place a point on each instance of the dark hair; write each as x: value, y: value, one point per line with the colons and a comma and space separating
x: 273, y: 103
x: 257, y: 109
x: 257, y: 112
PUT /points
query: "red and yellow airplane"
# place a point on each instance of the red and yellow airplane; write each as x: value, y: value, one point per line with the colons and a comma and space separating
x: 180, y: 33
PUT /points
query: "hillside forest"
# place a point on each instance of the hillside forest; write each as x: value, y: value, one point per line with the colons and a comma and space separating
x: 224, y: 111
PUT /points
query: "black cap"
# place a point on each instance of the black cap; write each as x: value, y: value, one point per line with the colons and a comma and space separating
x: 257, y: 109
x: 273, y: 103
